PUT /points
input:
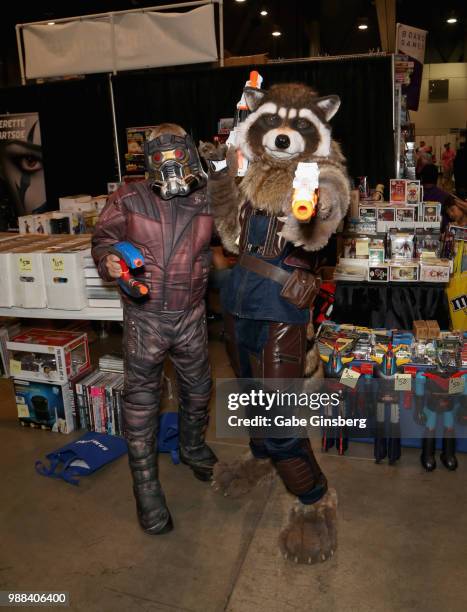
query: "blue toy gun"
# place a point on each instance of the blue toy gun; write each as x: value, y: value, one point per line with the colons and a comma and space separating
x: 131, y: 258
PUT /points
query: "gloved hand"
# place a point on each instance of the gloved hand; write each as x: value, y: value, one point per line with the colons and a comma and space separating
x: 216, y: 152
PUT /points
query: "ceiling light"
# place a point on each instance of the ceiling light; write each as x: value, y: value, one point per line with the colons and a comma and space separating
x: 277, y: 33
x: 263, y: 13
x: 239, y: 0
x: 451, y: 20
x: 362, y: 23
x: 51, y: 23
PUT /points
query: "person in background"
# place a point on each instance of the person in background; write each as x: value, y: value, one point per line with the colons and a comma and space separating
x: 429, y: 180
x: 423, y: 158
x: 456, y: 211
x: 447, y: 163
x: 460, y: 171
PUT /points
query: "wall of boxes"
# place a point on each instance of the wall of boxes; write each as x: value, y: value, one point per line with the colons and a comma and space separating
x: 395, y: 241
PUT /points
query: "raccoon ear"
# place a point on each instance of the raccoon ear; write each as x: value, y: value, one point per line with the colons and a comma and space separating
x: 253, y: 97
x: 329, y: 105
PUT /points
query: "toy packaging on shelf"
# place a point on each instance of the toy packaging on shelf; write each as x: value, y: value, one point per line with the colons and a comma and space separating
x: 55, y: 222
x: 351, y: 269
x: 48, y: 355
x: 378, y: 272
x: 402, y: 246
x: 82, y: 203
x: 403, y: 271
x: 434, y: 270
x: 44, y: 404
x: 401, y: 238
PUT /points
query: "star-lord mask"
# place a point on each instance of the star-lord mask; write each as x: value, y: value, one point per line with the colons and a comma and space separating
x: 174, y: 165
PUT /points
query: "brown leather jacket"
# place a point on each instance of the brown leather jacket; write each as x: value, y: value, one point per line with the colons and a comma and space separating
x: 174, y: 237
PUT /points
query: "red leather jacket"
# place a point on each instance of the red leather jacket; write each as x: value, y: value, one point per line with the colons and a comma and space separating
x: 173, y: 235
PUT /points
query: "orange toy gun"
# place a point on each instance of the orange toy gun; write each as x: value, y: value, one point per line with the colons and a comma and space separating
x: 306, y: 192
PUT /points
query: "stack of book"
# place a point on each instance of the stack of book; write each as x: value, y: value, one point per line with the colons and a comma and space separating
x: 111, y: 363
x: 98, y: 402
x: 8, y: 328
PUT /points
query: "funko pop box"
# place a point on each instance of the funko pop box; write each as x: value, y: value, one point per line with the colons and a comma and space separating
x: 48, y: 355
x: 44, y: 405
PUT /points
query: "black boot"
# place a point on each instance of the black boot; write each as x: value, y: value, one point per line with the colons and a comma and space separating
x: 153, y: 514
x: 394, y: 443
x: 448, y: 454
x: 381, y: 447
x: 428, y: 453
x: 194, y: 451
x: 327, y: 441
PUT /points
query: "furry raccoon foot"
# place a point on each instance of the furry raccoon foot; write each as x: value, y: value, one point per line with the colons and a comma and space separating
x: 311, y: 533
x: 237, y: 478
x: 212, y: 152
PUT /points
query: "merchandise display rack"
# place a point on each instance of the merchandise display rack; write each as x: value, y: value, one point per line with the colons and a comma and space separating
x: 86, y: 314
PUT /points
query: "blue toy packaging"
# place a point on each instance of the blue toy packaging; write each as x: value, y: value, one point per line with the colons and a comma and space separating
x: 44, y: 405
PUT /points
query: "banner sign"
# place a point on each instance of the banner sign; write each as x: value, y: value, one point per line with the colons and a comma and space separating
x: 133, y: 41
x: 411, y: 42
x: 21, y: 170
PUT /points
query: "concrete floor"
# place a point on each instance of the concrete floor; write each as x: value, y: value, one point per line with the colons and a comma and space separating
x: 402, y: 536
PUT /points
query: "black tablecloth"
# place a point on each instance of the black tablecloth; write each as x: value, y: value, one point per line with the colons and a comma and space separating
x: 390, y: 305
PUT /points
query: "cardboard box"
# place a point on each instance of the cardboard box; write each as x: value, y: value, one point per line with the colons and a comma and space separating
x: 27, y: 277
x: 420, y: 330
x: 65, y: 283
x: 44, y: 405
x: 73, y: 202
x: 434, y: 330
x: 48, y: 355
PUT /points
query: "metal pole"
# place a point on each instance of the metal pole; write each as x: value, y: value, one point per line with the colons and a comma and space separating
x: 114, y: 123
x: 20, y: 54
x: 112, y: 43
x: 221, y: 32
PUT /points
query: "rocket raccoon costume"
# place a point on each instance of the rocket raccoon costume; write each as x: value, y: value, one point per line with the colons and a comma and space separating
x: 270, y: 290
x: 168, y: 219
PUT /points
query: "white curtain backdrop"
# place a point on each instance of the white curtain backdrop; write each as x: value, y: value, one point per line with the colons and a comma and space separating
x: 142, y: 40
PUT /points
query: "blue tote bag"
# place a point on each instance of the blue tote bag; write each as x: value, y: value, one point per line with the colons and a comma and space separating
x: 167, y: 437
x: 82, y: 457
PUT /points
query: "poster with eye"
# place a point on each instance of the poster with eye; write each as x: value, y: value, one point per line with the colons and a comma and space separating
x: 22, y: 185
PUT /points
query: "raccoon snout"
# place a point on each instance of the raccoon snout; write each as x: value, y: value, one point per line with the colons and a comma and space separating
x: 282, y: 141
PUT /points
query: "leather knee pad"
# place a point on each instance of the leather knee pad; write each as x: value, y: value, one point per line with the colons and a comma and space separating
x: 296, y: 465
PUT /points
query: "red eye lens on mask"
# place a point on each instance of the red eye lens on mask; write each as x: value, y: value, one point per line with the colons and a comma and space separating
x: 179, y: 154
x: 157, y: 156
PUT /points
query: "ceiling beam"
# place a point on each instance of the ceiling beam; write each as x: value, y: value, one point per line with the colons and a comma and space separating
x: 386, y: 11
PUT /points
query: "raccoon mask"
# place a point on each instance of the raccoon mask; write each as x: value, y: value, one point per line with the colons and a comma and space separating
x: 288, y: 122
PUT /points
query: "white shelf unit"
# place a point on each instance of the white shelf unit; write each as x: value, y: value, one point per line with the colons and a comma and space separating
x: 86, y: 314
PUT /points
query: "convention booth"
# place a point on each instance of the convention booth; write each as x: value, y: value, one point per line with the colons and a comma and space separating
x: 388, y: 268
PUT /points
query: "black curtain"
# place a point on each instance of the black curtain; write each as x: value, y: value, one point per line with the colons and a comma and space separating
x: 196, y: 99
x: 76, y: 129
x: 76, y: 119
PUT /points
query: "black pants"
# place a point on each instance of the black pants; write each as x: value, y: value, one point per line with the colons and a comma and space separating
x: 148, y: 339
